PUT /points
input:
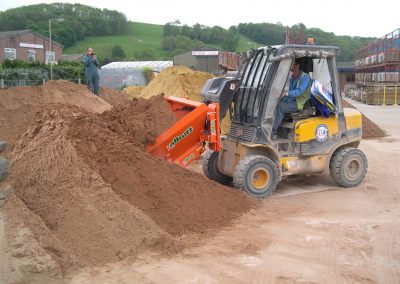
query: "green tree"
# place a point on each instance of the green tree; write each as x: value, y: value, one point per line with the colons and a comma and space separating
x: 79, y: 21
x: 117, y: 52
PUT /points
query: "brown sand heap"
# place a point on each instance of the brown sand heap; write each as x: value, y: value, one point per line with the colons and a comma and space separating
x: 18, y: 105
x: 178, y: 81
x: 369, y: 128
x: 99, y: 196
x: 133, y: 91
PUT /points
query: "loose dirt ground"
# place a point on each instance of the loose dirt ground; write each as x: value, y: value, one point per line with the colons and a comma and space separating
x: 85, y: 190
x: 325, y: 235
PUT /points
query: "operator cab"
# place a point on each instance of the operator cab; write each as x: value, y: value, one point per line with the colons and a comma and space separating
x: 311, y: 107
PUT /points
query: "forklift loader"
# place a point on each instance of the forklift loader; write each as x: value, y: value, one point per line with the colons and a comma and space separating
x: 307, y: 143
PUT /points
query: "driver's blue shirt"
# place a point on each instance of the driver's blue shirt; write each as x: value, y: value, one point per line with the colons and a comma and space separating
x: 296, y: 87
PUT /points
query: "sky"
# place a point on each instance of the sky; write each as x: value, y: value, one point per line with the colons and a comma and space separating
x: 342, y: 17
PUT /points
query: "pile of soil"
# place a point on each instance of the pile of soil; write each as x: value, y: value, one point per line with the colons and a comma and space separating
x: 19, y: 105
x: 369, y: 128
x: 178, y: 81
x: 80, y: 169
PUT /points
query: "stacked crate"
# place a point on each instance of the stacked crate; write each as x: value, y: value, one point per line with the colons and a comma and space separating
x: 378, y: 69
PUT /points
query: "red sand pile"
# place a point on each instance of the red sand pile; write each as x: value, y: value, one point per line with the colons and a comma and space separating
x: 92, y: 193
x: 369, y: 128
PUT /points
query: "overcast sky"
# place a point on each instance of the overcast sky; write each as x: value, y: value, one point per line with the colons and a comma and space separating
x: 342, y: 17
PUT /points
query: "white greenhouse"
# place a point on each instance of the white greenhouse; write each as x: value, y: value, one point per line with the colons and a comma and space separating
x: 130, y: 73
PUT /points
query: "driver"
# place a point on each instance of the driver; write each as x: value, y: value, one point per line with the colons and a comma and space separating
x: 294, y: 99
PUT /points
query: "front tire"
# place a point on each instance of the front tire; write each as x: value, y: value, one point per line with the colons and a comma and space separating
x: 210, y: 168
x: 257, y: 175
x: 348, y: 167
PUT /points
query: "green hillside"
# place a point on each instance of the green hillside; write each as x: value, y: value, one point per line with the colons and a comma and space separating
x: 140, y: 37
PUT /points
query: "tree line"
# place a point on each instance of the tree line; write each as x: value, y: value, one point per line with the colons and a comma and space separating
x: 180, y: 38
x: 274, y: 34
x: 79, y: 22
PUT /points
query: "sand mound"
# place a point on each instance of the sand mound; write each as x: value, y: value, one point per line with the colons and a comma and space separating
x: 133, y: 91
x: 369, y: 128
x: 19, y: 105
x: 80, y: 210
x: 177, y: 81
x: 95, y: 193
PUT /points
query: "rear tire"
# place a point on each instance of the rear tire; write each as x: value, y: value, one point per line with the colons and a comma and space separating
x: 348, y: 167
x: 257, y: 175
x: 210, y: 168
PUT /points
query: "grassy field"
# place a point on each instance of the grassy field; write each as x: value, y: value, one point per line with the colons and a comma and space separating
x: 140, y: 36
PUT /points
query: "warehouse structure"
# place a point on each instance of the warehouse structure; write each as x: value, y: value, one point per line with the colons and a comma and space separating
x: 346, y: 71
x: 28, y: 45
x: 378, y: 69
x: 209, y: 60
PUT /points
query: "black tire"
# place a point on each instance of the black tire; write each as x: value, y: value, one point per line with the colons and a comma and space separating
x: 210, y: 168
x: 257, y: 175
x: 348, y: 167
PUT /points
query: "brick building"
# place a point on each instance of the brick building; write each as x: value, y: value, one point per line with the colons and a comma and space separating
x: 28, y: 45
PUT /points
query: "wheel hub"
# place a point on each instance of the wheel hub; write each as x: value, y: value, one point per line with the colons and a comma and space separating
x: 353, y: 169
x: 259, y: 178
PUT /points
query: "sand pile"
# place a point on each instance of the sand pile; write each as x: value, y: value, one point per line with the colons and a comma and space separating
x: 177, y: 81
x: 369, y: 128
x: 85, y: 175
x: 18, y: 105
x: 90, y: 222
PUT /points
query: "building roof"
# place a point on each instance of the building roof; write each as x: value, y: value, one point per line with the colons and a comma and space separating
x: 12, y: 33
x: 155, y: 65
x: 346, y: 66
x: 15, y: 33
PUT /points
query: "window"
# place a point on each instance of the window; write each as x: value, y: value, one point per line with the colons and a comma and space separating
x: 50, y: 56
x: 31, y: 55
x: 10, y: 53
x: 321, y: 73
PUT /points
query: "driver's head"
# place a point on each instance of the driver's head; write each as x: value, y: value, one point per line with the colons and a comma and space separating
x: 295, y: 68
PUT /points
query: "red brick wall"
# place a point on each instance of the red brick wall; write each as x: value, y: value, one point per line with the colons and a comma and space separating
x: 30, y: 38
